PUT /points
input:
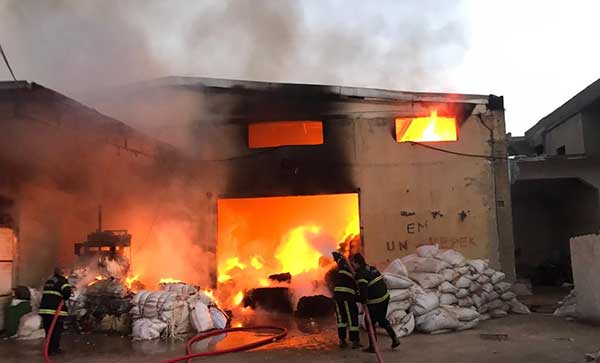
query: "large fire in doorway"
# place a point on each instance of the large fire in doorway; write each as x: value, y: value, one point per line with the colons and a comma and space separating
x: 261, y: 237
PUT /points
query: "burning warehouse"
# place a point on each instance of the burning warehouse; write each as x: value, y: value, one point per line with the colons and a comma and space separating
x: 244, y: 186
x: 286, y: 160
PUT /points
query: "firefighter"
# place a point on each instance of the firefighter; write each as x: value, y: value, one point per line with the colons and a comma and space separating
x: 57, y: 288
x: 346, y: 310
x: 373, y: 292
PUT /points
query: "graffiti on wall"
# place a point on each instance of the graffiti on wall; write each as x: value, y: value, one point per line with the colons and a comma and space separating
x: 412, y: 240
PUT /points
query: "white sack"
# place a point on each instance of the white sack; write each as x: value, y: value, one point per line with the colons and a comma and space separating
x: 427, y: 280
x: 447, y: 288
x: 394, y: 281
x: 477, y: 300
x: 462, y: 270
x: 462, y: 283
x: 30, y: 326
x: 219, y: 319
x: 462, y: 314
x: 399, y: 294
x: 473, y: 276
x: 201, y: 318
x: 410, y: 261
x: 518, y: 308
x: 498, y: 277
x: 483, y: 279
x: 449, y: 274
x: 428, y: 251
x: 147, y: 329
x: 431, y: 265
x: 475, y: 287
x: 509, y: 295
x: 448, y: 299
x: 402, y: 326
x: 479, y: 265
x: 502, y: 287
x: 493, y: 296
x: 454, y: 258
x: 424, y: 303
x: 438, y: 319
x: 489, y: 272
x: 465, y: 302
x: 487, y: 287
x: 396, y: 267
x: 399, y: 305
x: 462, y: 293
x: 495, y: 304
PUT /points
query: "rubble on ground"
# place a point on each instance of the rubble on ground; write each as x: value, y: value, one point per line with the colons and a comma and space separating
x: 437, y: 291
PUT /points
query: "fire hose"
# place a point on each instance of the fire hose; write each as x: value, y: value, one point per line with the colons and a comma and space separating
x: 51, y: 330
x: 189, y: 355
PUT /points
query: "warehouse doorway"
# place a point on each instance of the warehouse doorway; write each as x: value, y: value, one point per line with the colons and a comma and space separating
x: 546, y: 214
x: 258, y: 238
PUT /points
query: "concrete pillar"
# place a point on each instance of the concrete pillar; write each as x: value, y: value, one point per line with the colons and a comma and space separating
x: 585, y: 259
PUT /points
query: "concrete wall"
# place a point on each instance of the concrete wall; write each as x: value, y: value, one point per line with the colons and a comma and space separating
x: 409, y: 195
x: 585, y: 255
x: 568, y: 134
x: 591, y: 131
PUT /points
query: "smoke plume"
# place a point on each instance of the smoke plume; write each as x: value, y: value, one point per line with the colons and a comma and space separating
x: 79, y: 46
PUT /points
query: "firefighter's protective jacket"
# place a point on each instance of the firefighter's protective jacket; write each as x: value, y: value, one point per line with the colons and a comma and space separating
x: 57, y: 288
x: 344, y: 284
x: 371, y: 286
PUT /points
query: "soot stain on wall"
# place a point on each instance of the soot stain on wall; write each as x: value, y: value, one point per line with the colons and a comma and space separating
x: 291, y: 170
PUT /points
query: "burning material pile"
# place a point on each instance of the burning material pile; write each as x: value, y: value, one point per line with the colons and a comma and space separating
x: 101, y: 299
x: 435, y: 291
x: 176, y: 309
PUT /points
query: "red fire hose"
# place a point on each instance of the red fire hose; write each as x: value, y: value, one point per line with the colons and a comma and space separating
x: 189, y: 355
x: 50, y: 331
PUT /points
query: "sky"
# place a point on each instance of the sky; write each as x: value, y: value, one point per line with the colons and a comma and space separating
x: 537, y: 54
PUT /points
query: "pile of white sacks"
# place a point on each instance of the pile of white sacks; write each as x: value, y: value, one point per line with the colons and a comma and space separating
x: 176, y: 309
x: 437, y: 291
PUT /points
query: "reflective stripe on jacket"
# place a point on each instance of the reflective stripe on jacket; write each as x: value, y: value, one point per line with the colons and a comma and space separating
x: 57, y: 288
x: 344, y: 285
x: 372, y: 287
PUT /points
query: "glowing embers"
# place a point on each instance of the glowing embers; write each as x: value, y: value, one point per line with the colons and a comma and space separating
x: 282, y: 133
x: 426, y: 129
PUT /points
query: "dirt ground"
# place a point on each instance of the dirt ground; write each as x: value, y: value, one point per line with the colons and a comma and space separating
x: 532, y: 338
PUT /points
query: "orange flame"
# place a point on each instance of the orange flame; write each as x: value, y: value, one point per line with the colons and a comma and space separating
x: 96, y: 279
x: 237, y: 299
x: 255, y: 262
x: 426, y: 129
x: 130, y: 280
x: 169, y: 280
x: 296, y: 255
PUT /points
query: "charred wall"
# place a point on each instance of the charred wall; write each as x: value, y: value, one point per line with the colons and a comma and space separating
x: 291, y: 170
